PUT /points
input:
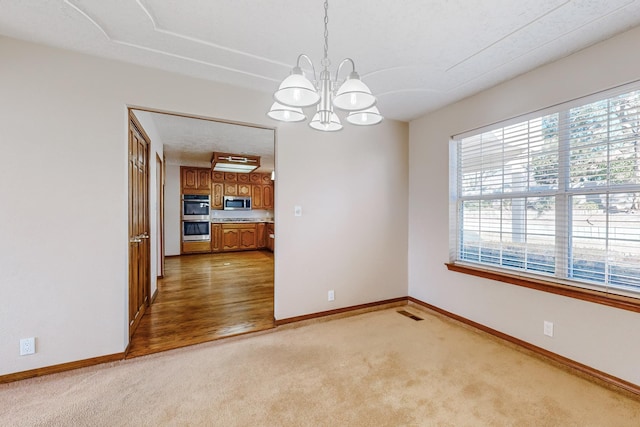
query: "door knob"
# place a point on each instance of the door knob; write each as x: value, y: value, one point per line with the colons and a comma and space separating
x: 134, y: 240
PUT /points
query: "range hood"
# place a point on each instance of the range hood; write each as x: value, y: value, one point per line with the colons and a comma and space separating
x: 239, y: 163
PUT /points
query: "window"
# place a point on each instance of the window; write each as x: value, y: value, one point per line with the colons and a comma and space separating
x: 554, y: 194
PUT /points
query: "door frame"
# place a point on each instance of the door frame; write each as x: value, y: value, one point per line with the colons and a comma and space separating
x: 160, y: 182
x: 130, y: 109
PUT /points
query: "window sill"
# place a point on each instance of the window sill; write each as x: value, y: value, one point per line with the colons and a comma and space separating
x: 598, y: 297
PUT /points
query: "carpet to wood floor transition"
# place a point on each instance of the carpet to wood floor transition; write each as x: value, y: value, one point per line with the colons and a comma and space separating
x: 374, y: 369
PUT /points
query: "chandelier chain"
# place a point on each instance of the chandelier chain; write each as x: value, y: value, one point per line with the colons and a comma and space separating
x: 325, y: 60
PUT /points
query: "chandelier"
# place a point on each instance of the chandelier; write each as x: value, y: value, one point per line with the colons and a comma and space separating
x: 351, y: 95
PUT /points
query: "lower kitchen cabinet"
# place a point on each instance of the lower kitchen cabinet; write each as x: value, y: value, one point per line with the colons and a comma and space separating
x: 271, y: 236
x: 237, y: 237
x: 195, y: 247
x: 216, y: 237
x: 228, y: 237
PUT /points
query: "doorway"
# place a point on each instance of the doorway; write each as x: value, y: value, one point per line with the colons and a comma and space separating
x: 207, y: 296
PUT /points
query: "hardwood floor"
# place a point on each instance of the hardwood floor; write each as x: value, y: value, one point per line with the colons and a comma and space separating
x: 207, y: 297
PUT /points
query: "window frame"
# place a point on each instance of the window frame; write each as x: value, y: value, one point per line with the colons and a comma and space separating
x: 557, y: 283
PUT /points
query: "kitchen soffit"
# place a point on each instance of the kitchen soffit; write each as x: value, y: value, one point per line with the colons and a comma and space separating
x: 415, y: 55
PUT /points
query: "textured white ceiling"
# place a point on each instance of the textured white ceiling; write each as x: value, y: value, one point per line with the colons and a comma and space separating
x: 191, y: 141
x: 416, y: 55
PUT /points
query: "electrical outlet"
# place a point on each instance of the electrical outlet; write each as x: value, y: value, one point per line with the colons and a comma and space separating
x: 548, y: 328
x: 331, y: 296
x: 297, y: 210
x: 27, y: 346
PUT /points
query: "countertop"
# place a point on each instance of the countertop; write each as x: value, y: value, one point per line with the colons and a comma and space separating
x: 234, y: 220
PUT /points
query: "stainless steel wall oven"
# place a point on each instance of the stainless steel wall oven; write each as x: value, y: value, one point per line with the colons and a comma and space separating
x: 196, y: 231
x: 196, y: 207
x: 196, y: 225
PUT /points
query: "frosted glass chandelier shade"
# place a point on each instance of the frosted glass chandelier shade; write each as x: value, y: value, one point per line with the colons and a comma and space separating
x: 368, y: 117
x: 332, y: 126
x: 285, y: 113
x: 353, y: 95
x: 297, y: 91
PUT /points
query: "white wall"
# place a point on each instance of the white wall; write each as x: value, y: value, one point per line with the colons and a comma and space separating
x: 352, y: 235
x: 63, y: 132
x: 604, y: 338
x: 172, y: 210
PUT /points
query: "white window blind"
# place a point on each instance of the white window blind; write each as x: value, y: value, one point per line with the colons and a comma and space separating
x: 555, y: 194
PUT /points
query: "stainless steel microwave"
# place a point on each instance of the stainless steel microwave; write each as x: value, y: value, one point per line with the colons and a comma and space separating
x: 233, y: 203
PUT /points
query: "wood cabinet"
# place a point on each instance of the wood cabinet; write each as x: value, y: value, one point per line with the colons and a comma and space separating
x: 256, y: 196
x: 267, y: 196
x: 195, y: 247
x: 217, y: 192
x: 230, y: 177
x: 262, y: 196
x: 195, y: 180
x: 230, y: 189
x: 271, y: 236
x: 217, y: 176
x: 233, y: 236
x: 238, y: 237
x: 261, y: 235
x: 216, y: 237
x: 244, y: 190
x: 256, y: 185
x: 255, y: 178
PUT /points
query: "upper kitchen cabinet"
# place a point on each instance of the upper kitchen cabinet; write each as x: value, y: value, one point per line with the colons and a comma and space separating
x: 217, y: 193
x: 244, y: 190
x: 256, y: 185
x: 255, y: 178
x: 230, y: 177
x: 230, y: 188
x: 217, y: 176
x: 267, y: 196
x: 256, y: 197
x: 195, y: 180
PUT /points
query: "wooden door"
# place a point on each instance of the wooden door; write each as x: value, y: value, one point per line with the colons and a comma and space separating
x: 139, y: 250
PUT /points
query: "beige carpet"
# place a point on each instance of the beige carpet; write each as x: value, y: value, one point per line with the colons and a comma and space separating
x: 374, y: 369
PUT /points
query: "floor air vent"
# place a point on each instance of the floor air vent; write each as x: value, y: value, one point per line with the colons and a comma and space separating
x: 409, y: 315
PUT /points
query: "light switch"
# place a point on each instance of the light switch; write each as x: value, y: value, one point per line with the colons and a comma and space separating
x: 297, y: 210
